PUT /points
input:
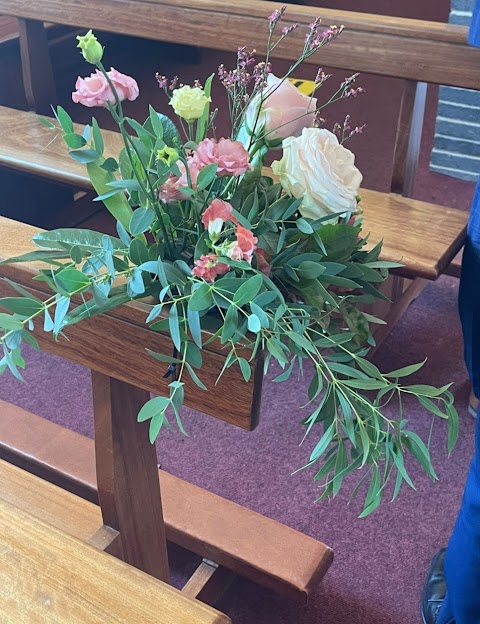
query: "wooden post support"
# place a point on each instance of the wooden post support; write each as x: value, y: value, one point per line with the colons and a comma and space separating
x: 127, y: 475
x: 37, y: 70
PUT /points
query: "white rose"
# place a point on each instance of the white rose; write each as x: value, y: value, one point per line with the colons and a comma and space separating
x: 316, y: 167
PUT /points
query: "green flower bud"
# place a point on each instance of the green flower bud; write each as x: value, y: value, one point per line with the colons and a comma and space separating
x: 91, y: 49
x: 168, y: 154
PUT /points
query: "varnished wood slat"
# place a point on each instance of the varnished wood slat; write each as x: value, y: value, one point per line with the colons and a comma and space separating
x: 49, y: 503
x: 231, y: 399
x: 399, y: 48
x: 127, y: 475
x: 48, y: 576
x: 246, y: 542
x: 425, y: 237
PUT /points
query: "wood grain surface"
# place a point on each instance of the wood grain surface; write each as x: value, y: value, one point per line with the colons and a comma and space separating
x: 48, y: 576
x: 402, y: 48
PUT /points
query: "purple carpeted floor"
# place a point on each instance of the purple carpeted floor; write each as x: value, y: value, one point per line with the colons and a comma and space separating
x: 379, y: 562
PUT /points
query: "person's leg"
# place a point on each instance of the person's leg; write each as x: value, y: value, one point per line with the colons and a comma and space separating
x: 462, y: 561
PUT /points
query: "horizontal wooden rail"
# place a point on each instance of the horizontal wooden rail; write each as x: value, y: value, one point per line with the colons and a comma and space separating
x: 401, y: 48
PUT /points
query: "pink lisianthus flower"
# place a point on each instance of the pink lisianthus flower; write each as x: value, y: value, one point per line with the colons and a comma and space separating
x: 215, y: 216
x: 95, y: 90
x: 208, y: 267
x: 170, y: 191
x: 231, y: 156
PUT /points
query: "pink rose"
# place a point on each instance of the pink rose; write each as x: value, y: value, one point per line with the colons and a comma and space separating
x: 170, y: 191
x: 283, y: 112
x: 231, y: 156
x: 216, y: 215
x: 95, y: 90
x: 208, y: 267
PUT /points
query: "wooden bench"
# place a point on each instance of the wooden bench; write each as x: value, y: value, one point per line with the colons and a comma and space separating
x: 240, y: 540
x: 63, y: 580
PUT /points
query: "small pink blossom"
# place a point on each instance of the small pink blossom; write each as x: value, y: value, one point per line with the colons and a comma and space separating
x: 231, y: 156
x: 216, y: 215
x: 208, y: 267
x: 170, y: 190
x: 247, y: 242
x: 95, y: 90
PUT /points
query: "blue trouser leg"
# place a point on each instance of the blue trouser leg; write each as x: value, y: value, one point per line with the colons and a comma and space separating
x: 462, y: 563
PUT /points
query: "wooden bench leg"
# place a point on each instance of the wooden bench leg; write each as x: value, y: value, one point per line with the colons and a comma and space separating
x: 209, y: 582
x: 127, y: 475
x: 37, y: 70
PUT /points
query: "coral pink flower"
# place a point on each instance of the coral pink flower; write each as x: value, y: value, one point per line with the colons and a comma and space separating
x: 170, y: 191
x: 263, y: 261
x: 247, y: 242
x: 95, y: 90
x: 230, y: 156
x: 208, y: 267
x: 216, y: 215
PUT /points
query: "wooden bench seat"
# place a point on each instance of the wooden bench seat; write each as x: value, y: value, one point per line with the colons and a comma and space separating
x: 244, y: 541
x: 424, y: 245
x: 48, y: 576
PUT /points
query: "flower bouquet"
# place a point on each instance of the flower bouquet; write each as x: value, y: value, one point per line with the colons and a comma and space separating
x: 257, y: 260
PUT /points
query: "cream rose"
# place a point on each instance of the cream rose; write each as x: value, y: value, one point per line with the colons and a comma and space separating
x: 189, y: 102
x: 285, y: 111
x: 316, y: 167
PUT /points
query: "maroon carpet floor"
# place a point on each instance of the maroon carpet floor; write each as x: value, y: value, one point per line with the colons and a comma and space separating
x: 379, y: 562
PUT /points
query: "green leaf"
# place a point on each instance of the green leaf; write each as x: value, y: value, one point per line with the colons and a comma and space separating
x: 304, y: 226
x: 85, y: 156
x: 110, y: 165
x: 71, y: 281
x: 406, y: 370
x: 74, y: 140
x: 245, y: 368
x: 311, y: 270
x: 142, y: 219
x: 46, y: 122
x: 323, y: 443
x: 168, y: 359
x: 68, y: 237
x: 195, y: 378
x: 453, y: 426
x: 193, y: 320
x: 420, y: 452
x: 117, y: 205
x: 10, y: 323
x: 206, y: 176
x: 64, y: 119
x: 34, y: 256
x: 174, y: 326
x: 254, y: 324
x: 261, y: 314
x: 203, y: 120
x: 97, y: 137
x: 248, y: 290
x: 201, y: 298
x: 153, y: 407
x: 138, y: 253
x: 170, y: 133
x: 21, y: 305
x: 155, y: 122
x: 230, y: 324
x: 428, y: 391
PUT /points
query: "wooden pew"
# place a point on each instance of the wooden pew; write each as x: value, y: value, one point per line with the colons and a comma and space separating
x: 49, y: 576
x: 240, y: 540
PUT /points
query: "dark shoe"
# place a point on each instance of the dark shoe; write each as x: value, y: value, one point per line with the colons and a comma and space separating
x: 435, y: 589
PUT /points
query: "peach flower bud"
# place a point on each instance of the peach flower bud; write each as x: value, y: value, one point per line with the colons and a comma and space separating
x: 215, y: 216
